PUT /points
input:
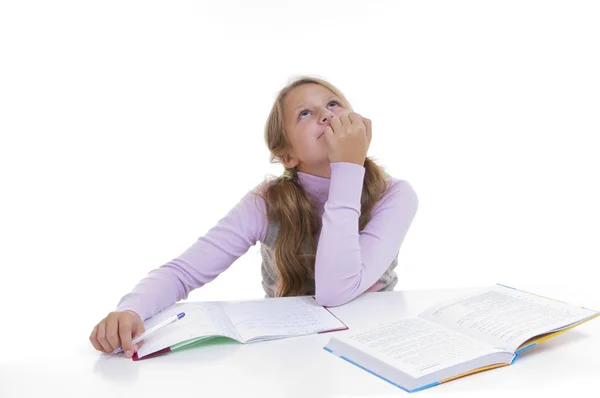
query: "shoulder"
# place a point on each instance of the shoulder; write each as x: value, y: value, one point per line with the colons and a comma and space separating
x: 257, y: 194
x: 255, y: 204
x: 251, y: 211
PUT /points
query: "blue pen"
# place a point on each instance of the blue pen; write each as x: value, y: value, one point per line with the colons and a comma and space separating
x: 152, y: 330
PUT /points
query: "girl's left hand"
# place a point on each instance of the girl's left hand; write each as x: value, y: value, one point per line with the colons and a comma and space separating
x: 348, y: 138
x: 367, y: 123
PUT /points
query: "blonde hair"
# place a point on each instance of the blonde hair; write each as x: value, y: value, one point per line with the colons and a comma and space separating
x: 289, y: 206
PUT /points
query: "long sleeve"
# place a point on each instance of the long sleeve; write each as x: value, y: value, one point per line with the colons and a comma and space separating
x: 210, y: 255
x: 348, y: 262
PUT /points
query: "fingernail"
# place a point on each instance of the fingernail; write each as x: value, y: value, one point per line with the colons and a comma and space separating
x: 128, y: 353
x: 135, y: 347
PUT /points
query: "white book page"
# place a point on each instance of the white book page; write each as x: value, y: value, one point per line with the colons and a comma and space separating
x: 201, y: 319
x: 279, y: 317
x: 505, y: 317
x: 418, y: 347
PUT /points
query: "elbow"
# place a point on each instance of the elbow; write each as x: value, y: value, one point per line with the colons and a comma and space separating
x: 336, y: 292
x: 331, y: 298
x: 328, y: 300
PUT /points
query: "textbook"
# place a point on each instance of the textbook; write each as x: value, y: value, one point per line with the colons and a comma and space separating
x: 458, y: 337
x: 243, y: 321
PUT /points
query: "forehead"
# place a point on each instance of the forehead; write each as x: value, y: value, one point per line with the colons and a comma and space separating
x: 304, y: 93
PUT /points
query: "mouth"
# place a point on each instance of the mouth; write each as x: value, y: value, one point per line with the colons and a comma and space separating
x: 321, y: 135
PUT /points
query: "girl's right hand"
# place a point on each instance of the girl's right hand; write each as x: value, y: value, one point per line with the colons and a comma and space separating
x: 118, y: 329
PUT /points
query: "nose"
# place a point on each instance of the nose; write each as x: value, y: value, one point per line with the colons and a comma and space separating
x: 326, y: 115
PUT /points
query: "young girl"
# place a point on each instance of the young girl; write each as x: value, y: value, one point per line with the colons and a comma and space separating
x: 331, y: 226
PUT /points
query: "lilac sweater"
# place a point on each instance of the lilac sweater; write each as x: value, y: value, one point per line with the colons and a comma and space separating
x: 347, y: 262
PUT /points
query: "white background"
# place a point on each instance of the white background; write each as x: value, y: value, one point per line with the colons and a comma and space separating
x: 128, y: 129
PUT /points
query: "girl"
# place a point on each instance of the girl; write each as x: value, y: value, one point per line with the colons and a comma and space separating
x: 331, y: 226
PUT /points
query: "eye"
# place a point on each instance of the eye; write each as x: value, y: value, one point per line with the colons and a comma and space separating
x: 306, y: 110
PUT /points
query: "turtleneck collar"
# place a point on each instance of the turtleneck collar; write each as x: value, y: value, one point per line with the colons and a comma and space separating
x: 317, y: 187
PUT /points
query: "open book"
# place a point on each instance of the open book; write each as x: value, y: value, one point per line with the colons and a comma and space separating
x: 458, y: 337
x: 244, y: 321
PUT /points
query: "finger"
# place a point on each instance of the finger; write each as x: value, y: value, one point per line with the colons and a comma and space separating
x: 367, y: 123
x: 355, y: 118
x: 101, y: 336
x: 336, y: 125
x: 345, y: 120
x: 125, y: 336
x: 328, y: 135
x: 94, y: 339
x: 137, y: 345
x: 112, y: 332
x: 138, y: 329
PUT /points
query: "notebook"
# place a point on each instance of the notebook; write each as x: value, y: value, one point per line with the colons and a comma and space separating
x: 247, y: 321
x: 458, y: 337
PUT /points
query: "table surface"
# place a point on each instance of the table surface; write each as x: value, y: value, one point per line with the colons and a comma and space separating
x: 68, y: 366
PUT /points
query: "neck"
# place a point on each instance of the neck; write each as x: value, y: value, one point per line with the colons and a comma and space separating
x: 320, y: 170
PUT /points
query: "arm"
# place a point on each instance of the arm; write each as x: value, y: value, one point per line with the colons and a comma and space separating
x: 348, y: 262
x: 202, y: 262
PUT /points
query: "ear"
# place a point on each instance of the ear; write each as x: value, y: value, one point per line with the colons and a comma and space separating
x: 289, y: 160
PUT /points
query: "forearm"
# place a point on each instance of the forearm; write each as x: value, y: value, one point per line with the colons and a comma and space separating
x: 155, y: 292
x: 174, y: 280
x: 202, y: 262
x: 338, y: 263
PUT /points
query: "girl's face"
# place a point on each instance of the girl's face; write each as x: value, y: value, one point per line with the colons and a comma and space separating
x: 307, y: 112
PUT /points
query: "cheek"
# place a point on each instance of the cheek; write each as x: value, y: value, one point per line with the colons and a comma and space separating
x: 302, y: 139
x: 340, y: 112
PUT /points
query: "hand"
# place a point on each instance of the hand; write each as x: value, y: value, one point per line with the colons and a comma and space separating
x: 118, y: 329
x: 348, y: 138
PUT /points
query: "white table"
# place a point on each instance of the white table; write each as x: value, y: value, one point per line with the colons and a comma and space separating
x: 65, y: 364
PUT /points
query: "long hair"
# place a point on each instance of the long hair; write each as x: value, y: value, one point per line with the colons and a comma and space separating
x: 289, y: 206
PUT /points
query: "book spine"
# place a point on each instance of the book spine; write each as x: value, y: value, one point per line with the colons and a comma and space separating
x: 381, y: 377
x: 154, y: 354
x: 334, y: 330
x: 509, y: 287
x: 520, y: 351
